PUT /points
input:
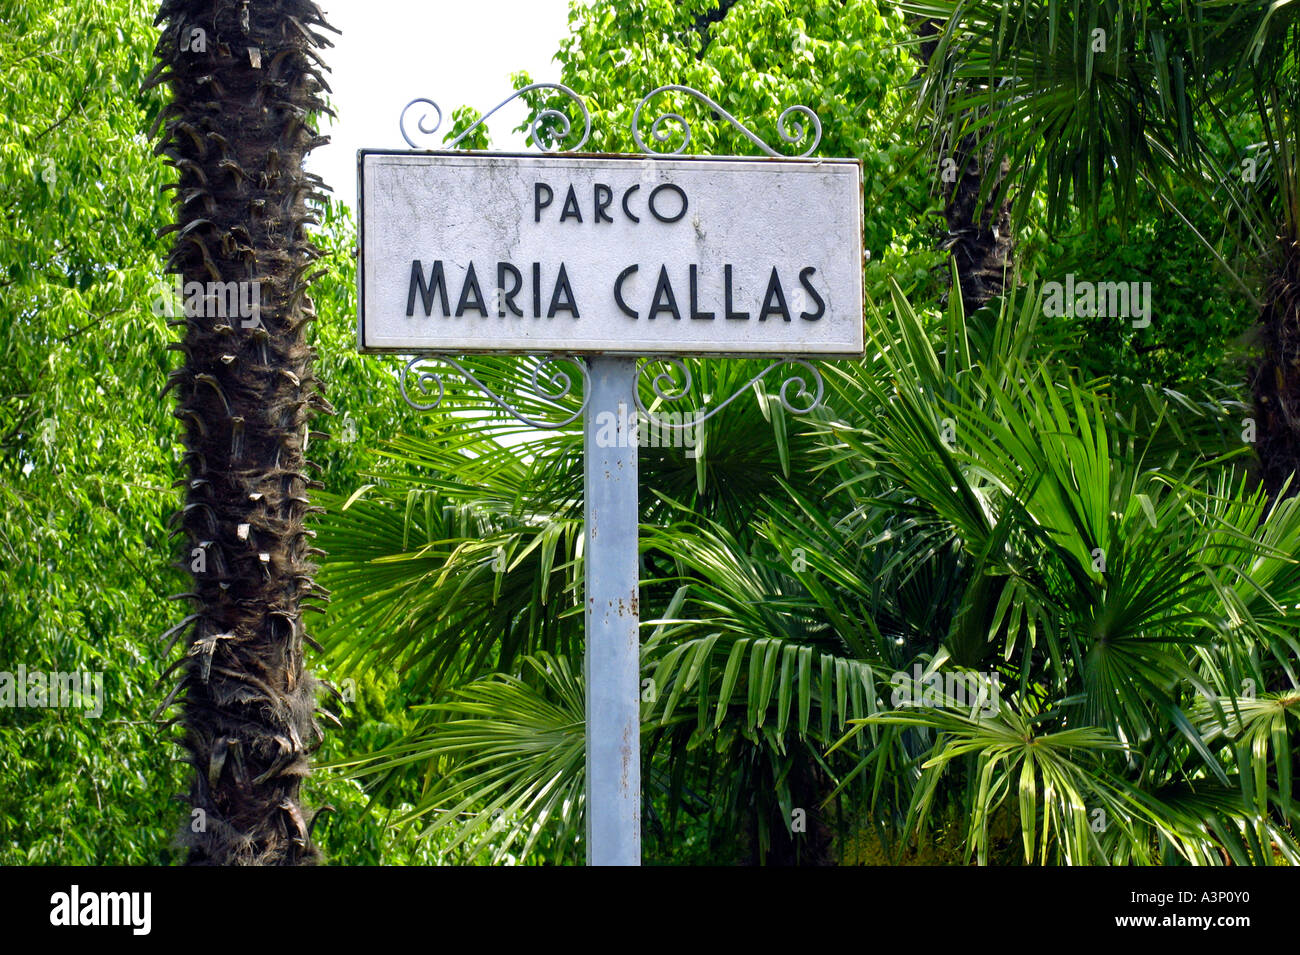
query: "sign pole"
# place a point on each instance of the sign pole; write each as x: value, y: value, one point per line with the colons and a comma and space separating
x: 612, y: 663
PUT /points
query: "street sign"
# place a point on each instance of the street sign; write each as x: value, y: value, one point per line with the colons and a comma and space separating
x: 616, y: 258
x: 464, y: 253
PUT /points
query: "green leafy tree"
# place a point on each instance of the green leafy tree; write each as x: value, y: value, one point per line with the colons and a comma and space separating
x: 85, y: 454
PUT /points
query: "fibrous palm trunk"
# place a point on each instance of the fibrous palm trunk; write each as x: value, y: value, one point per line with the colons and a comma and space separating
x: 978, y: 233
x: 245, y: 81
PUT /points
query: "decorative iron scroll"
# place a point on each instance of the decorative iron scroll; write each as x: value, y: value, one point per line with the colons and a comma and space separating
x: 797, y: 133
x: 550, y: 385
x: 790, y: 130
x: 668, y: 389
x: 537, y: 139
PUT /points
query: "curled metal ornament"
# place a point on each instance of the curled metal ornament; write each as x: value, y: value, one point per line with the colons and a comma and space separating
x: 790, y: 131
x: 549, y: 384
x: 420, y: 122
x: 667, y: 388
x: 545, y: 144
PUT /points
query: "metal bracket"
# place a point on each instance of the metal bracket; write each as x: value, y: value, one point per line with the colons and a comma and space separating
x: 538, y: 140
x: 550, y: 386
x: 659, y: 135
x: 668, y: 389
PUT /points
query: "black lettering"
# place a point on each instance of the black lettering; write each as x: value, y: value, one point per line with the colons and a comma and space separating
x: 537, y: 290
x: 562, y: 285
x: 471, y: 284
x: 695, y: 301
x: 603, y: 196
x: 508, y: 298
x: 538, y: 204
x: 821, y: 305
x: 618, y: 291
x: 437, y: 283
x: 774, y: 292
x: 664, y: 300
x: 571, y: 209
x: 677, y: 189
x: 626, y: 211
x: 726, y: 281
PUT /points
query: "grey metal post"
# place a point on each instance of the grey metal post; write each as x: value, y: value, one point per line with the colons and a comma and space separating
x: 612, y: 661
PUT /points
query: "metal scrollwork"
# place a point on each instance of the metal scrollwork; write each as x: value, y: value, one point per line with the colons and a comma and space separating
x: 548, y: 383
x: 794, y: 393
x: 420, y: 122
x: 790, y: 131
x: 544, y: 143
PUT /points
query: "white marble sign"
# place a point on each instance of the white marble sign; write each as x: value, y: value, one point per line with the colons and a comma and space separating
x: 470, y: 252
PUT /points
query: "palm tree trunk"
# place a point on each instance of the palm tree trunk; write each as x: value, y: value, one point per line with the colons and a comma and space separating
x: 978, y: 233
x: 245, y: 82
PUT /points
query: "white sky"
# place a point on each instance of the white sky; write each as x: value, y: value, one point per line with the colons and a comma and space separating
x: 454, y: 53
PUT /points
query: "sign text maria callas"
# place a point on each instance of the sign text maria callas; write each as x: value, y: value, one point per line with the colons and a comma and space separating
x: 468, y: 252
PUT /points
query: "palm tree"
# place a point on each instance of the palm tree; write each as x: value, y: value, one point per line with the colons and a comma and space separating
x: 1092, y: 549
x: 1122, y: 93
x: 246, y: 81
